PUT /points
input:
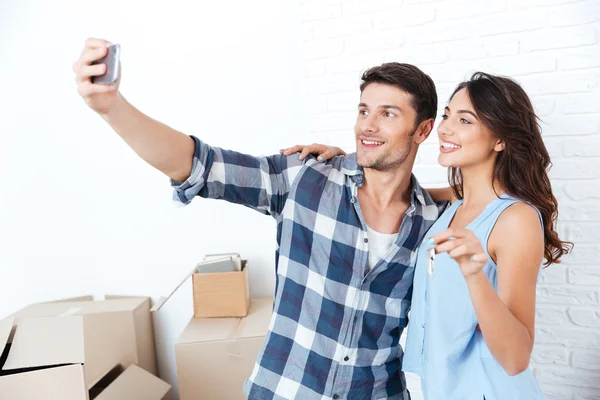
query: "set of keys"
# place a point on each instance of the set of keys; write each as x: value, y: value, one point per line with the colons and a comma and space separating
x: 430, y: 261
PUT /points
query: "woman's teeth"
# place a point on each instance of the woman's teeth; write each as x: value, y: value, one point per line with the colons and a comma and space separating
x: 450, y: 146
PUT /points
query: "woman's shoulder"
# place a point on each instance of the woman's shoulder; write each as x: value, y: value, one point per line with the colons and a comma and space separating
x: 519, y: 212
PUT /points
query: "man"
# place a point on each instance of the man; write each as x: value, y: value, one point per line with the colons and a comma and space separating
x: 347, y: 231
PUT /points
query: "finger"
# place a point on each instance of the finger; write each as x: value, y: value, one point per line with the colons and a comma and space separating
x: 88, y: 56
x: 87, y: 89
x: 294, y: 149
x: 449, y: 245
x: 479, y: 258
x: 305, y: 152
x: 459, y: 251
x: 94, y: 42
x: 450, y: 233
x: 326, y: 155
x: 88, y: 71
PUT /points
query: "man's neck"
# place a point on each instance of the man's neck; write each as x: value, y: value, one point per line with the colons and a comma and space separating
x: 384, y: 188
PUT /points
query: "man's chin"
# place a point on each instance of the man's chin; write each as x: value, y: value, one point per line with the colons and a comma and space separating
x: 365, y: 162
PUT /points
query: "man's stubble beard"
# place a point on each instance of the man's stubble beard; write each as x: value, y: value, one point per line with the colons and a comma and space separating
x: 385, y: 162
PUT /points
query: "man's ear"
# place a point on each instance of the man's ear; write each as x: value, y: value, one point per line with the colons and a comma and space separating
x: 423, y: 130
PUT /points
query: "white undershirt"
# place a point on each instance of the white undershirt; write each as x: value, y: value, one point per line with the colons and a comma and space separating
x: 379, y: 245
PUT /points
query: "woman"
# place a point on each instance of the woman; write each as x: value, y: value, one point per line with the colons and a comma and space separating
x: 473, y: 309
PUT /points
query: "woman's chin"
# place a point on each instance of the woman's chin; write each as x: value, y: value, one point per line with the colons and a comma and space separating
x: 445, y: 161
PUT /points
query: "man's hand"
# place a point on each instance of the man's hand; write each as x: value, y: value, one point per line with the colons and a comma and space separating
x: 100, y: 98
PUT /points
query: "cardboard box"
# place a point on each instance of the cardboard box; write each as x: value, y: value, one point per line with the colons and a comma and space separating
x: 65, y: 348
x: 221, y: 294
x: 216, y: 355
x: 67, y: 383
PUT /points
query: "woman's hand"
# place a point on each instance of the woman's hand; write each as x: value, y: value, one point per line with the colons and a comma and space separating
x: 322, y: 151
x: 464, y: 247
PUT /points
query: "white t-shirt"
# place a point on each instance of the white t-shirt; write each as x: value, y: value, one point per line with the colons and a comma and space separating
x: 379, y: 245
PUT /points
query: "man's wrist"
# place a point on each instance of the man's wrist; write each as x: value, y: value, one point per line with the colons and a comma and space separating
x: 113, y: 113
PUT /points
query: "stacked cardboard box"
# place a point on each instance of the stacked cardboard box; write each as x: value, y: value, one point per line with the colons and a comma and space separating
x: 218, y: 345
x: 80, y: 349
x: 216, y: 355
x: 221, y: 292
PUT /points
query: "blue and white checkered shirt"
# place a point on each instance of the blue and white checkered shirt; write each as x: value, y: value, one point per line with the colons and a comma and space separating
x: 336, y: 324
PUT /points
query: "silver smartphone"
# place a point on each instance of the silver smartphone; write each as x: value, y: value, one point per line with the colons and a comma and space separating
x: 111, y: 59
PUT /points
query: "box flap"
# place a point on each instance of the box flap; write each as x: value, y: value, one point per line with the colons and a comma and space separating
x: 79, y: 307
x: 71, y: 299
x: 46, y: 341
x: 109, y: 341
x: 60, y: 383
x: 6, y: 326
x: 208, y: 330
x: 257, y: 321
x: 135, y: 383
x: 169, y: 319
x: 164, y: 299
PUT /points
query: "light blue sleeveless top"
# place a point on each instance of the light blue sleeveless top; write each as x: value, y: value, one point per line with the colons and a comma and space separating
x: 443, y: 346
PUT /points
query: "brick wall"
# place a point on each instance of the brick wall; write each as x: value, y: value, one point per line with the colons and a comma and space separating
x: 551, y: 48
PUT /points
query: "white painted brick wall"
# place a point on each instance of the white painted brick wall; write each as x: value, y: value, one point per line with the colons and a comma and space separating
x: 552, y: 48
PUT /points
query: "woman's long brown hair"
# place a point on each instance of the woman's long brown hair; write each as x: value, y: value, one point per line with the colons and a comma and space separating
x: 522, y: 167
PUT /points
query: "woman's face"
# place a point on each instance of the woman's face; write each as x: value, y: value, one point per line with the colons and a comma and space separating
x: 464, y: 139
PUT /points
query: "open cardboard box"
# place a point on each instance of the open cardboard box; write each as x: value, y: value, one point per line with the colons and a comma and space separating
x: 221, y: 294
x: 69, y: 349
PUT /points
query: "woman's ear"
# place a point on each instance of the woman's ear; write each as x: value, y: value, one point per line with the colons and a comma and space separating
x: 499, y: 146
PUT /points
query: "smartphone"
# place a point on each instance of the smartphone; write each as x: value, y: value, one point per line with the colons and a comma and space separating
x: 111, y: 59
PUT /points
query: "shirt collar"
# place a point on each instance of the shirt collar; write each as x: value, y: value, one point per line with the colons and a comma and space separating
x: 356, y: 174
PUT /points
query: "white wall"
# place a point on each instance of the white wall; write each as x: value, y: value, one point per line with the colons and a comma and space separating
x: 551, y: 47
x: 79, y: 211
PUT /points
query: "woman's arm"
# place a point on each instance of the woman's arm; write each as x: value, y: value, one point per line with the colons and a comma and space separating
x: 442, y: 194
x: 322, y: 151
x: 506, y: 318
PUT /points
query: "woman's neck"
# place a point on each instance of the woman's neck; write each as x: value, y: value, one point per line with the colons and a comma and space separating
x: 479, y: 187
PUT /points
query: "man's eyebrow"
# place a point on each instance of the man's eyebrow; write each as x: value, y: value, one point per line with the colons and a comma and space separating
x: 384, y: 106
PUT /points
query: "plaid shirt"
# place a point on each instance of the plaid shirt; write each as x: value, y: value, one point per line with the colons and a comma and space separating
x: 336, y: 325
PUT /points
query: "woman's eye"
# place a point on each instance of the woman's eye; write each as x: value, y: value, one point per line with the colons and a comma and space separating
x: 444, y: 117
x: 464, y: 121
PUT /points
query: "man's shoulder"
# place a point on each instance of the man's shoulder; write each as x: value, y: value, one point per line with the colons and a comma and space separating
x: 333, y: 166
x: 431, y: 209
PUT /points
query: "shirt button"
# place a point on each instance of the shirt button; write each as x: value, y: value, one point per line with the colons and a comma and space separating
x: 335, y: 396
x: 366, y: 240
x: 346, y: 358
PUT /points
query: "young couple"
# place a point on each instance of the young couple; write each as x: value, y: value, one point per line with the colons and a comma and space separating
x: 360, y: 242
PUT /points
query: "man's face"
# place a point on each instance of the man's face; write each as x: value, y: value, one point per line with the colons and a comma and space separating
x: 384, y: 127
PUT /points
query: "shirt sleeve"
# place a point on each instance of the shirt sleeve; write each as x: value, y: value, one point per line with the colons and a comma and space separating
x: 261, y: 183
